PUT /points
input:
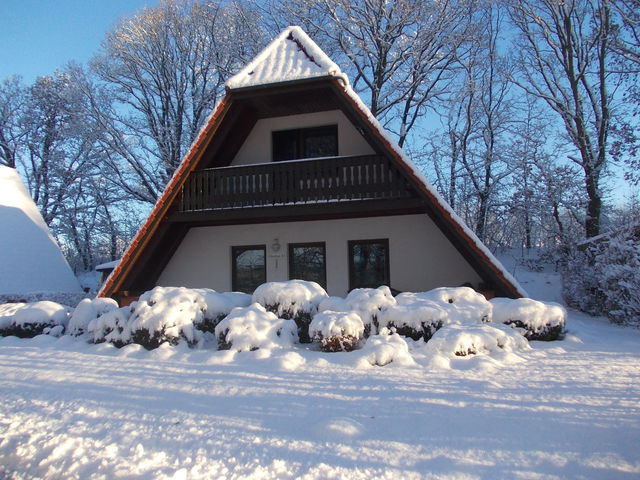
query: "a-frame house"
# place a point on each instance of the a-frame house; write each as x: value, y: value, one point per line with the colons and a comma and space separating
x: 292, y: 177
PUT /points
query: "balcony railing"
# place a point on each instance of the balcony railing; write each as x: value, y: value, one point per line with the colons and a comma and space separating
x: 334, y: 179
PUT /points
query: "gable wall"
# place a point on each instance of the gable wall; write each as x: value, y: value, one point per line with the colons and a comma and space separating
x: 257, y: 146
x: 421, y: 258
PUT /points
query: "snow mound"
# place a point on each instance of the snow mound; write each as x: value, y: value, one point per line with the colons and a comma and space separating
x: 366, y: 302
x: 454, y: 341
x: 27, y: 320
x: 88, y: 310
x: 253, y: 327
x: 337, y: 331
x: 385, y: 348
x: 462, y: 304
x: 540, y: 320
x: 30, y: 258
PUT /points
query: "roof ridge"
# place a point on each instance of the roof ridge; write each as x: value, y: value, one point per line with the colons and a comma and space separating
x: 291, y: 56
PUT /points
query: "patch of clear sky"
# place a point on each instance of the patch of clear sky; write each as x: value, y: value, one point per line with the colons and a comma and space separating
x: 39, y: 36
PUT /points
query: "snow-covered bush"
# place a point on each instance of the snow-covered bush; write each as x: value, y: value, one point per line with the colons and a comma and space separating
x: 27, y: 320
x: 604, y: 278
x: 470, y: 339
x: 88, y: 310
x: 462, y: 304
x: 219, y: 305
x: 164, y: 314
x: 413, y: 317
x: 366, y: 302
x: 293, y: 299
x: 540, y: 320
x: 386, y: 348
x: 337, y: 331
x: 253, y: 327
x: 112, y: 327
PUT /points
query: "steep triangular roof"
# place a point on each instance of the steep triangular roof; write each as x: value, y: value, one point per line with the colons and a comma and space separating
x: 293, y: 58
x: 30, y: 260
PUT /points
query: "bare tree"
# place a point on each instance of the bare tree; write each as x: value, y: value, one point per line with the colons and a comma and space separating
x: 12, y: 98
x: 626, y: 47
x: 399, y: 54
x: 160, y: 74
x: 563, y: 52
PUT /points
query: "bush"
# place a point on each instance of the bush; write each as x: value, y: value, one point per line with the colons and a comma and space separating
x: 253, y: 327
x: 219, y: 305
x: 385, y: 348
x: 366, y: 302
x: 464, y: 340
x: 26, y: 320
x: 112, y: 327
x: 164, y: 314
x: 539, y: 320
x: 86, y: 311
x: 462, y: 304
x: 604, y: 278
x: 297, y: 300
x: 337, y: 331
x: 414, y: 317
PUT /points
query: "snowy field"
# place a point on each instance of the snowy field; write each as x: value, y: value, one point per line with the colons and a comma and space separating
x: 564, y: 409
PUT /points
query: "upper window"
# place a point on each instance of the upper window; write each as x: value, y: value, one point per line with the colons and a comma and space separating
x: 308, y: 261
x: 249, y: 269
x: 368, y: 263
x: 305, y: 143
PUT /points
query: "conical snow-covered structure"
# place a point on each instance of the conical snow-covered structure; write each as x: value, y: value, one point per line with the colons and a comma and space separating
x: 30, y: 259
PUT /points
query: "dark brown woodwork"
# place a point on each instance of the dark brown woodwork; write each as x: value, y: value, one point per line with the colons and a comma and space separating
x: 335, y: 179
x: 301, y: 212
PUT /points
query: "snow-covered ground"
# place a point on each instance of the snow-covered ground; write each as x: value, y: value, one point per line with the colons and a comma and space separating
x: 565, y: 409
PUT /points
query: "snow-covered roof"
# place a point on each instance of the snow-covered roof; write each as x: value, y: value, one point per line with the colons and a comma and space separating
x: 291, y: 56
x: 107, y: 265
x: 30, y: 260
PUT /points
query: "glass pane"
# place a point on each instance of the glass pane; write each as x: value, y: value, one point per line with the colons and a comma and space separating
x: 369, y: 264
x: 320, y: 145
x: 285, y: 145
x: 249, y: 269
x: 308, y: 263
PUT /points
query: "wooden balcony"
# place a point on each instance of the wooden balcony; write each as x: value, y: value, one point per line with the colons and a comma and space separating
x: 295, y: 182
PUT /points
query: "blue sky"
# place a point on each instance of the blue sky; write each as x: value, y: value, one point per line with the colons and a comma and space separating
x: 39, y: 36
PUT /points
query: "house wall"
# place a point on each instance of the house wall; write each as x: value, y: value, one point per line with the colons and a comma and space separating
x: 421, y: 258
x: 257, y: 146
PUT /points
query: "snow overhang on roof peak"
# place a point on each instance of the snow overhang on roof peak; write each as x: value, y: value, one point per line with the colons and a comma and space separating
x: 292, y: 56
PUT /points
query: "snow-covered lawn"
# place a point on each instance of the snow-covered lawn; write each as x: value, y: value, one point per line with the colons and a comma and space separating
x: 566, y: 409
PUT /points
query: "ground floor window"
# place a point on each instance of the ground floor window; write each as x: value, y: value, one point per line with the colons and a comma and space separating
x: 308, y: 261
x: 249, y: 267
x: 368, y: 263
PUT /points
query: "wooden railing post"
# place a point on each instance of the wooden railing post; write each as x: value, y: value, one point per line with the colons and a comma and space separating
x: 291, y: 182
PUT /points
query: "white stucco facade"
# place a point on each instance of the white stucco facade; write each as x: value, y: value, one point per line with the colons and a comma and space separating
x: 257, y: 147
x: 421, y: 258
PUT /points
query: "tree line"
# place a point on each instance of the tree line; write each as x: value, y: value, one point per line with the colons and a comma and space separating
x: 516, y: 110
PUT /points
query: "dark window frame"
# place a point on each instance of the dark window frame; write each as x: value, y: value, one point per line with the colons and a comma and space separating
x: 323, y: 284
x: 387, y: 267
x: 301, y: 135
x: 235, y: 251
